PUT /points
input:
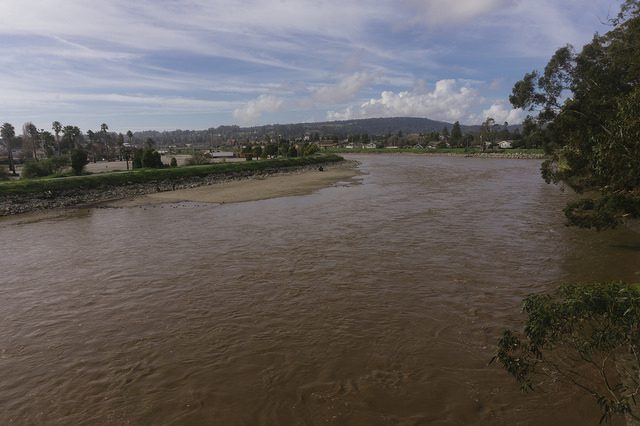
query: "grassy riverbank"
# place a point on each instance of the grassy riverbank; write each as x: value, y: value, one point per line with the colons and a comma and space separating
x: 142, y: 176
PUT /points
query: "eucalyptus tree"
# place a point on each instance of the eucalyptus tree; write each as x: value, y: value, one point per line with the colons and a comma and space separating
x: 584, y: 110
x: 587, y: 107
x: 487, y: 133
x: 456, y: 134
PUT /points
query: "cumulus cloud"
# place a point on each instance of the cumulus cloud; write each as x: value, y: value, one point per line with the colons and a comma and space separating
x: 449, y: 100
x: 500, y: 112
x: 252, y: 112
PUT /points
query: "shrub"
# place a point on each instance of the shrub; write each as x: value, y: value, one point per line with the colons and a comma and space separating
x: 32, y: 169
x: 198, y: 158
x: 174, y: 162
x: 147, y: 157
x: 136, y: 163
x: 58, y: 163
x: 78, y: 161
x: 310, y: 149
x: 4, y: 173
x: 151, y: 159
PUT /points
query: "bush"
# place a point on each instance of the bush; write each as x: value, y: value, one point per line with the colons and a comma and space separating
x: 148, y: 158
x: 32, y: 169
x: 310, y: 149
x: 174, y: 162
x: 151, y: 159
x: 136, y: 163
x: 4, y: 173
x: 198, y: 158
x: 78, y: 161
x: 58, y: 163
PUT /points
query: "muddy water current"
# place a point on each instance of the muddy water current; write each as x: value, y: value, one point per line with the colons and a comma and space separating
x: 376, y: 301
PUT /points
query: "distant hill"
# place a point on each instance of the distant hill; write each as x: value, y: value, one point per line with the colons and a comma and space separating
x: 327, y: 129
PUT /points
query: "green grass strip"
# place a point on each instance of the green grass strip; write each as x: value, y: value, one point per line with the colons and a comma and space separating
x: 114, y: 179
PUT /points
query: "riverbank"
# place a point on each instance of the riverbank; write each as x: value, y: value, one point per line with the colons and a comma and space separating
x: 532, y: 154
x: 57, y: 194
x: 252, y: 188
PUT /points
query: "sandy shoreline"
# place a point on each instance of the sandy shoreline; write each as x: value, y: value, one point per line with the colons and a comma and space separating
x: 214, y: 188
x: 299, y: 182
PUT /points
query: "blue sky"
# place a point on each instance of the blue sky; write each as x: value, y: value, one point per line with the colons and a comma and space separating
x: 194, y: 64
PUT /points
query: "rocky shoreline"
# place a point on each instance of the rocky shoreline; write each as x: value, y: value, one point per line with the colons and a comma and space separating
x: 21, y: 204
x: 497, y: 155
x: 507, y: 155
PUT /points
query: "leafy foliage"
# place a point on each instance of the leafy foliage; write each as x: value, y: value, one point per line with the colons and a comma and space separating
x: 43, y: 168
x: 198, y: 158
x: 147, y: 158
x: 587, y: 106
x: 78, y: 161
x: 585, y: 335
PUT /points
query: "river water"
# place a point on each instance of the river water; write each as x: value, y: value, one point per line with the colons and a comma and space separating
x: 376, y: 301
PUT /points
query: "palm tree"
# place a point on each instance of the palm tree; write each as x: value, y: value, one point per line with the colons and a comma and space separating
x: 30, y: 140
x: 8, y: 132
x: 71, y: 134
x: 130, y: 136
x: 57, y: 127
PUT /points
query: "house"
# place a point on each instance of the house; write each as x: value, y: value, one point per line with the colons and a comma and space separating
x: 328, y: 144
x: 370, y: 145
x: 505, y: 144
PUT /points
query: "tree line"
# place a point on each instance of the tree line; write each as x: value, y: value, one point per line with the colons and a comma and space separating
x: 63, y: 142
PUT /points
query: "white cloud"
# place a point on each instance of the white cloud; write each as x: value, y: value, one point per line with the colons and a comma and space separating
x: 448, y: 101
x: 500, y: 112
x: 344, y: 90
x: 445, y: 12
x: 197, y: 55
x: 252, y: 112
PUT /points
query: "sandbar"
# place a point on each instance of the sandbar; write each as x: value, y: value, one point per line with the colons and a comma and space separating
x: 253, y: 188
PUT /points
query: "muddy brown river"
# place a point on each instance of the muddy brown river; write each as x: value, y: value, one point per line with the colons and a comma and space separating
x: 377, y: 301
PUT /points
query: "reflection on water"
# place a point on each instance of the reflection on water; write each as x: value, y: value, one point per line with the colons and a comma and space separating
x: 373, y: 302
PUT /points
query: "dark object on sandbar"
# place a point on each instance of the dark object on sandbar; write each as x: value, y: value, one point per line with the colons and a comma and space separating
x: 320, y: 169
